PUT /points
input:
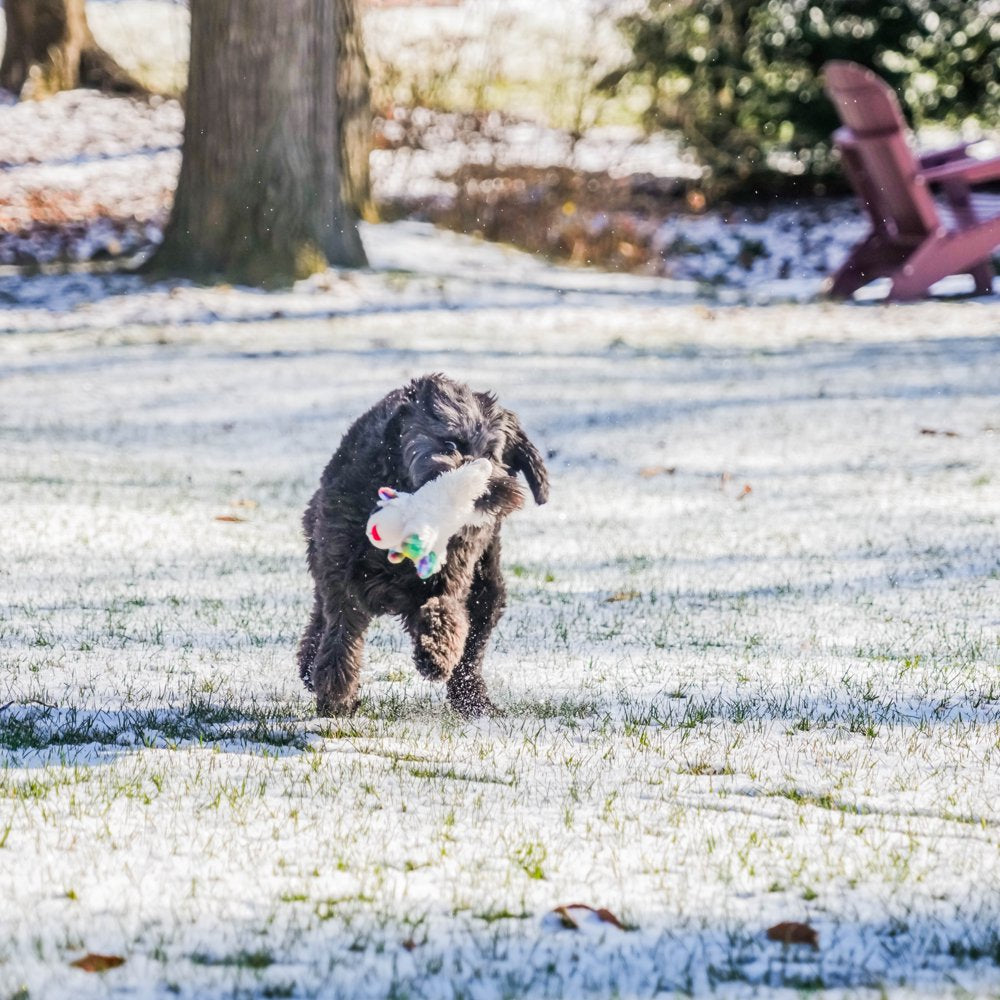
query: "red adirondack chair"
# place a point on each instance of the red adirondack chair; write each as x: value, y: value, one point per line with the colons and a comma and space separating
x: 915, y: 239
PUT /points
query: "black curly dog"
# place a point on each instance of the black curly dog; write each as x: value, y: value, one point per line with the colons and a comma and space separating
x: 415, y: 433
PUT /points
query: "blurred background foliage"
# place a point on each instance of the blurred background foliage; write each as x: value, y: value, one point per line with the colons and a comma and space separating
x: 741, y: 80
x: 585, y: 129
x: 738, y: 81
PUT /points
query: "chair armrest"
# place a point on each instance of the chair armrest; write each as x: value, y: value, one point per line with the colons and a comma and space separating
x: 968, y: 171
x: 937, y: 157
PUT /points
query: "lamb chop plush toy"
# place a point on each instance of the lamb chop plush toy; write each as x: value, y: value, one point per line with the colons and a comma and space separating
x: 418, y: 525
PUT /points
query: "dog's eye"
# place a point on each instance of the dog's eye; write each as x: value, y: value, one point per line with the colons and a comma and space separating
x: 451, y: 447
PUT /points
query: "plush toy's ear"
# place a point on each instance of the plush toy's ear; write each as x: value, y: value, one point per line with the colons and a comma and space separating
x: 520, y: 455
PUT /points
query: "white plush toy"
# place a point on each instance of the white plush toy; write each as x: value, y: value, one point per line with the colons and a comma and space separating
x: 418, y: 525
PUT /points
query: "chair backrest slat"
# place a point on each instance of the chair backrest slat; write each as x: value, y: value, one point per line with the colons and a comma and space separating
x: 878, y: 159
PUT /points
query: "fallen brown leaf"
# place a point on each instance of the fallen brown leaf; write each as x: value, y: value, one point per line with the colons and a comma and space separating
x: 651, y: 471
x: 230, y: 518
x: 409, y: 944
x: 572, y: 921
x: 791, y: 932
x: 746, y: 491
x: 609, y: 918
x: 97, y: 963
x: 622, y: 595
x: 933, y: 431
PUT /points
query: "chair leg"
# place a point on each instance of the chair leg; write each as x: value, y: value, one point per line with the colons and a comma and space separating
x: 922, y: 268
x: 983, y: 273
x: 874, y: 257
x: 939, y: 256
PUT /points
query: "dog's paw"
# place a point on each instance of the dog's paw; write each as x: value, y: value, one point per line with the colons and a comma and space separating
x: 331, y: 706
x: 335, y: 693
x: 442, y: 628
x: 474, y: 705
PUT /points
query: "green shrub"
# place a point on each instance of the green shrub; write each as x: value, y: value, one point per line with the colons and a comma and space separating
x: 740, y: 79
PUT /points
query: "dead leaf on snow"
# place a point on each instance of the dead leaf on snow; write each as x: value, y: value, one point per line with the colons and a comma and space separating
x: 651, y: 471
x: 934, y: 432
x: 746, y: 491
x: 230, y: 518
x: 409, y: 944
x: 98, y: 963
x: 572, y: 914
x: 792, y: 932
x: 622, y: 595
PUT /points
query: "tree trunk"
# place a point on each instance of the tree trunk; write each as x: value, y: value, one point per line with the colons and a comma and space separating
x: 49, y: 47
x: 260, y: 198
x: 355, y: 113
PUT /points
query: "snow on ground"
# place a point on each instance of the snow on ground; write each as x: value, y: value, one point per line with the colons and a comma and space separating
x: 749, y: 664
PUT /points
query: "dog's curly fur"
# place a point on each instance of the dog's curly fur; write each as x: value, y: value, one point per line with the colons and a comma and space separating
x: 427, y: 427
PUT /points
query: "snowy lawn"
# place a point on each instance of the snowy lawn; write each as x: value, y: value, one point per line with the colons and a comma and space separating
x: 749, y: 666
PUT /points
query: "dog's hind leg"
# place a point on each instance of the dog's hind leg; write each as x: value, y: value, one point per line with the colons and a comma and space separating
x: 487, y: 599
x: 336, y: 666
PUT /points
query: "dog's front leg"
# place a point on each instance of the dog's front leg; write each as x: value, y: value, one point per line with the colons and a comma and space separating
x: 487, y: 598
x: 440, y: 626
x: 337, y: 665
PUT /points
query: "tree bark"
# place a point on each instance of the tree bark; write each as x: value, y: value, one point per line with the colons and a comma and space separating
x: 355, y: 113
x: 49, y: 47
x: 260, y: 198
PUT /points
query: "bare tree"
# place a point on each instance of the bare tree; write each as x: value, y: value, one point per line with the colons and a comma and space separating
x: 263, y: 194
x: 49, y: 47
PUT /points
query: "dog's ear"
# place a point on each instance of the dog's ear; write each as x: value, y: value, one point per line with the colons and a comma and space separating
x: 520, y: 455
x: 406, y: 402
x: 398, y: 418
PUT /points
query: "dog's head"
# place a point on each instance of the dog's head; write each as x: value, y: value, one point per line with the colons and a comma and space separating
x: 442, y: 424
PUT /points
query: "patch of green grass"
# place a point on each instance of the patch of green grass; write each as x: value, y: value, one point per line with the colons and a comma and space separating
x: 258, y: 959
x: 809, y: 799
x: 201, y: 720
x: 703, y: 767
x: 453, y: 775
x: 556, y: 708
x: 493, y: 916
x: 530, y: 857
x: 33, y: 732
x: 327, y: 909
